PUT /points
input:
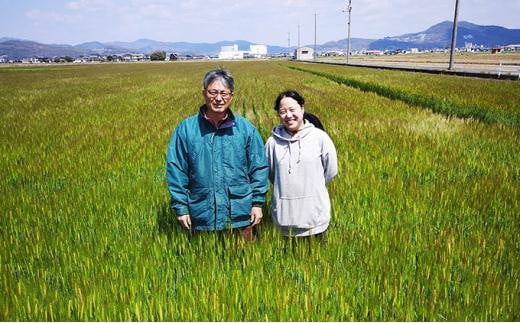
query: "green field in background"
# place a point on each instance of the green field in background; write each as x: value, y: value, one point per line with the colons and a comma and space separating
x: 426, y: 205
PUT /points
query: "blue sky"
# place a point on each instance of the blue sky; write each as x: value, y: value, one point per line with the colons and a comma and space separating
x: 268, y: 22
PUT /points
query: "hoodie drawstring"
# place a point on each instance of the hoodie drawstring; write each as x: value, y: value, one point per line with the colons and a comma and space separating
x: 290, y: 157
x: 299, y: 154
x: 281, y: 134
x: 299, y: 151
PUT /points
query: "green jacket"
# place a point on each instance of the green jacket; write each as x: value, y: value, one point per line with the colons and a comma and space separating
x: 216, y: 175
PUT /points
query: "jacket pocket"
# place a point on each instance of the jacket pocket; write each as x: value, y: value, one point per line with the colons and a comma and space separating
x: 235, y: 151
x: 240, y: 200
x: 195, y: 148
x: 198, y: 203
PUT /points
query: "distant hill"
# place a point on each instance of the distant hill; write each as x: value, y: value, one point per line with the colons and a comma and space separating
x: 17, y: 49
x: 341, y: 45
x: 148, y: 46
x: 437, y: 36
x: 3, y: 39
x: 143, y: 45
x: 100, y: 48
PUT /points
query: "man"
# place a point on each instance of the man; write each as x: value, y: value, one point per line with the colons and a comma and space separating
x: 216, y: 167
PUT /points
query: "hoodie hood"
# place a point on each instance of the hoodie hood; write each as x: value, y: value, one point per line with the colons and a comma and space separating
x: 279, y: 132
x: 294, y: 146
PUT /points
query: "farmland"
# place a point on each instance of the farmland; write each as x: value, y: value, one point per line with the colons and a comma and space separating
x: 426, y: 206
x: 499, y: 63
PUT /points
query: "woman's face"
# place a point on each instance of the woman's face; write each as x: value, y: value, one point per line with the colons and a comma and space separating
x: 291, y: 115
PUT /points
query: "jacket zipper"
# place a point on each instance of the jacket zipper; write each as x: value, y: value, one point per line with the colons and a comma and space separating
x: 215, y: 211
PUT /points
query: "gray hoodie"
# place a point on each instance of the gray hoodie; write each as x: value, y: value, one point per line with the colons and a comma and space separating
x: 299, y: 168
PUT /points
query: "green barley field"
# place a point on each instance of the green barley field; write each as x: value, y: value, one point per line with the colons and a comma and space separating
x: 426, y: 206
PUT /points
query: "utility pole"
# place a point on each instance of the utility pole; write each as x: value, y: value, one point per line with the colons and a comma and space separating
x: 298, y: 49
x: 315, y: 18
x: 289, y: 43
x: 349, y: 10
x: 454, y: 34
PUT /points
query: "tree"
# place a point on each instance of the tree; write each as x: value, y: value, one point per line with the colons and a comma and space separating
x: 158, y: 56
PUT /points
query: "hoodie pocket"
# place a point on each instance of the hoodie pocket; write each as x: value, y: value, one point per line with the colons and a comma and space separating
x: 300, y: 212
x: 240, y: 200
x: 198, y: 203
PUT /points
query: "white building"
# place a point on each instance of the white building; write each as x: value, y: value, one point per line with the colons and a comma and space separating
x: 512, y: 48
x: 333, y: 53
x: 232, y: 52
x: 375, y: 52
x: 258, y: 51
x: 304, y: 53
x: 232, y: 48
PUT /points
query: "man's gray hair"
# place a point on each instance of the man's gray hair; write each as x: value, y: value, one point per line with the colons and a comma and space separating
x: 221, y: 75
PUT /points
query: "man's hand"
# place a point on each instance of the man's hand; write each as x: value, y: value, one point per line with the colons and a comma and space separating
x: 256, y: 215
x: 185, y: 221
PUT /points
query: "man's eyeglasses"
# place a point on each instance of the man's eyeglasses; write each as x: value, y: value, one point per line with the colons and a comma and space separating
x: 223, y: 94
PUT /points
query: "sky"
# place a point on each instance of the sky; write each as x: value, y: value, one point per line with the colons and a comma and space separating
x: 270, y: 22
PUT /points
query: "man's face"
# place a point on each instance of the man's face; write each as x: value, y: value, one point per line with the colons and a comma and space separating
x: 218, y: 98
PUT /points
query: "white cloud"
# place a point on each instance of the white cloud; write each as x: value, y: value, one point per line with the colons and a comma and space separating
x: 156, y: 11
x: 89, y: 5
x: 41, y: 16
x: 267, y: 21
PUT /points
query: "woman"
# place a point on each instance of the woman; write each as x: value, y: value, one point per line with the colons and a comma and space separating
x: 302, y: 159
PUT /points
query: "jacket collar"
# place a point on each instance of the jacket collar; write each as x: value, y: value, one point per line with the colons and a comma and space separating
x: 228, y: 123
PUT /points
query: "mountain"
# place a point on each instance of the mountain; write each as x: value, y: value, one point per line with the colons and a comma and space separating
x: 143, y: 45
x: 148, y: 46
x: 341, y: 45
x: 17, y: 49
x: 439, y: 36
x: 3, y: 39
x: 100, y: 48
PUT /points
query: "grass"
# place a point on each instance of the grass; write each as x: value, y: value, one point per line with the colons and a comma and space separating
x: 485, y: 100
x: 425, y: 207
